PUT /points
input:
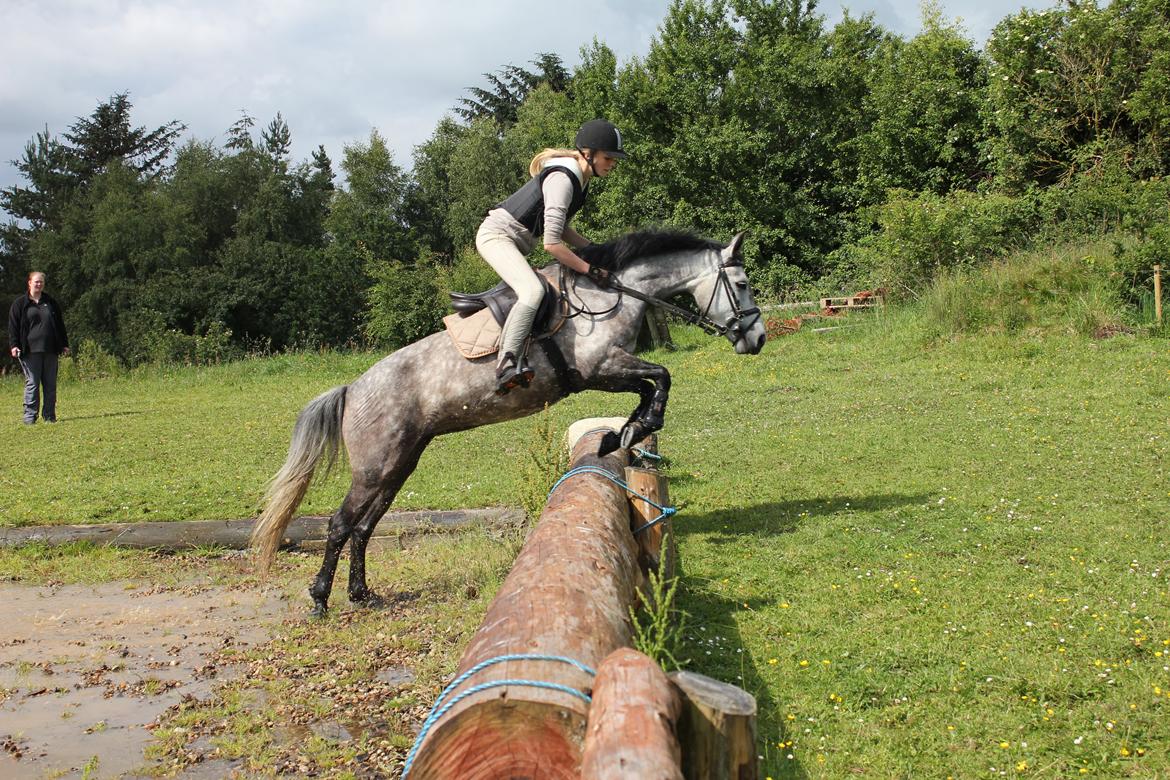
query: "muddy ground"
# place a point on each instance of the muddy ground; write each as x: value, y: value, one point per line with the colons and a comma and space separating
x: 87, y: 671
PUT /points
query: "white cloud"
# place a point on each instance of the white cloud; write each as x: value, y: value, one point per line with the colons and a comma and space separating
x: 334, y: 70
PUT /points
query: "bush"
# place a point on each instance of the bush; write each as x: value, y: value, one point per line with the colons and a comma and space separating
x: 90, y: 361
x: 402, y: 305
x: 172, y: 346
x: 916, y: 237
x: 1072, y: 289
x: 1094, y: 205
x: 1133, y: 268
x: 469, y: 273
x: 146, y: 339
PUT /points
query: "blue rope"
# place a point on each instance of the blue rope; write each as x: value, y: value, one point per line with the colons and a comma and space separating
x: 647, y: 454
x: 666, y: 511
x: 438, y: 712
x: 585, y: 470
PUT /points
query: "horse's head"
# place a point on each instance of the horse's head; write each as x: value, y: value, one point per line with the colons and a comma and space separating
x: 663, y: 263
x: 726, y: 298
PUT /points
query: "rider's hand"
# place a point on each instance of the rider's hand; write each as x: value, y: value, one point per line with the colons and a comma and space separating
x: 15, y: 352
x: 599, y: 275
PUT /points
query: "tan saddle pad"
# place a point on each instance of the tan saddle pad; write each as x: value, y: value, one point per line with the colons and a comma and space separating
x: 474, y: 336
x: 479, y: 334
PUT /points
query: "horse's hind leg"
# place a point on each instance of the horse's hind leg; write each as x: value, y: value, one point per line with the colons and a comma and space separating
x: 356, y: 505
x: 359, y: 592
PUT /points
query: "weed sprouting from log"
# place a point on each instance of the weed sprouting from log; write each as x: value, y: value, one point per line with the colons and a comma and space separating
x: 658, y: 626
x: 544, y: 462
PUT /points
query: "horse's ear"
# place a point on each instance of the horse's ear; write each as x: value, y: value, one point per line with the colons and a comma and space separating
x: 736, y: 245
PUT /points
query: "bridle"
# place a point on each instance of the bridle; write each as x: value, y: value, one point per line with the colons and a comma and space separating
x: 733, y: 327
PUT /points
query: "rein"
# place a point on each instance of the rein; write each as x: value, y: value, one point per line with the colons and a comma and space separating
x: 733, y: 325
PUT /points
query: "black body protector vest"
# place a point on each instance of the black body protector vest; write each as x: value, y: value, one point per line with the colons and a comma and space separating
x: 527, y: 203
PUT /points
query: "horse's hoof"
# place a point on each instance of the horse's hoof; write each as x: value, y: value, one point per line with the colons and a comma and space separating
x: 632, y: 433
x: 320, y: 611
x: 610, y: 442
x: 367, y: 598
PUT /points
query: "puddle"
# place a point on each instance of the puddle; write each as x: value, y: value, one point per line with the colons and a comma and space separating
x: 85, y: 670
x: 396, y: 676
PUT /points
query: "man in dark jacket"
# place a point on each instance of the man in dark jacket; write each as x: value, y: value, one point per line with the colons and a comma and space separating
x: 36, y: 337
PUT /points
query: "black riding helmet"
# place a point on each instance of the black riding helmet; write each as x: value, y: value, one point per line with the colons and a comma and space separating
x: 600, y: 136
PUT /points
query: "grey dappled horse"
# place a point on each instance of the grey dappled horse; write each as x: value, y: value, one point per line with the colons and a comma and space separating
x: 389, y: 415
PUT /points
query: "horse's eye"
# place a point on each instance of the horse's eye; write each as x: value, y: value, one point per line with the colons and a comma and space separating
x: 741, y: 285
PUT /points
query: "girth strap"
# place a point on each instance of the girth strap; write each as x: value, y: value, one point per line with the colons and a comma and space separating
x: 568, y: 378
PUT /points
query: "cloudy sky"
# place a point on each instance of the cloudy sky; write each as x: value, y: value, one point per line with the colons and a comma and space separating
x: 333, y: 69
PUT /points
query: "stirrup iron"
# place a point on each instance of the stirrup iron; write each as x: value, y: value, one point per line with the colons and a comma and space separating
x: 513, y: 372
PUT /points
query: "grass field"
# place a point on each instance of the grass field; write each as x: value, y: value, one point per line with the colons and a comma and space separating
x: 925, y: 558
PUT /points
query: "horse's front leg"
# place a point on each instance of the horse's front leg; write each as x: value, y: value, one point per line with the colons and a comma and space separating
x: 622, y: 372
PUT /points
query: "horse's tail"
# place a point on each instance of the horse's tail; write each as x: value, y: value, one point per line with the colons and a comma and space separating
x: 316, y: 434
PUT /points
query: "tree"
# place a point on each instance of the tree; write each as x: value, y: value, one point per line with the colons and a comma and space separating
x: 924, y: 102
x: 673, y: 109
x: 593, y: 87
x: 370, y: 213
x: 1078, y: 90
x: 57, y: 173
x: 278, y: 277
x: 370, y: 234
x: 106, y: 135
x: 32, y: 207
x: 428, y: 197
x: 483, y: 172
x: 510, y: 85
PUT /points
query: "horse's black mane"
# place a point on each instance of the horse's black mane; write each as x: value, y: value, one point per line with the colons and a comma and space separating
x: 614, y: 255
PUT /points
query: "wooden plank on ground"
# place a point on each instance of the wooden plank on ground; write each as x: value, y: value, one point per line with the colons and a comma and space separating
x: 235, y: 534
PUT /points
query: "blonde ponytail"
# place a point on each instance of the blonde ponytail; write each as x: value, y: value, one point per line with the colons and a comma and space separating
x: 541, y: 158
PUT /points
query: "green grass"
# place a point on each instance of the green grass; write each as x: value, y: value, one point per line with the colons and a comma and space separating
x: 187, y: 443
x: 925, y: 553
x: 925, y: 556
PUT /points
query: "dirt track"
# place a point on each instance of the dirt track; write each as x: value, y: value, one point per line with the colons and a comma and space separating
x: 86, y: 671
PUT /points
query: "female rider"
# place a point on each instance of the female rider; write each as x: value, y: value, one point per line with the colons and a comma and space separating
x: 544, y: 206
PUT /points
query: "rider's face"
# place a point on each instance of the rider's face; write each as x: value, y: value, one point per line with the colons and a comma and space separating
x: 604, y: 163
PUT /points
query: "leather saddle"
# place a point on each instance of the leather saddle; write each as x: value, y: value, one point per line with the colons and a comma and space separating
x: 500, y: 299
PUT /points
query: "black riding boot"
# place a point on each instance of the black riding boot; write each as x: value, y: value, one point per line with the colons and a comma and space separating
x: 512, y: 373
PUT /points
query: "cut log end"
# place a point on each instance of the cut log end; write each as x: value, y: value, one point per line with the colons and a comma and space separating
x: 590, y: 424
x: 515, y: 740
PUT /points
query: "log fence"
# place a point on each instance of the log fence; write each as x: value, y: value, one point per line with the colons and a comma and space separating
x: 549, y: 686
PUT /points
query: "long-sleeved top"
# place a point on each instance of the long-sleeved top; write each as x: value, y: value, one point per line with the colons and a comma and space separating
x: 45, y: 324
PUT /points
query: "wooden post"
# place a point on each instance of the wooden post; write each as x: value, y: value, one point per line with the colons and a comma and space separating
x: 568, y: 595
x: 1158, y: 293
x: 631, y: 729
x: 659, y: 329
x: 717, y: 729
x: 652, y: 484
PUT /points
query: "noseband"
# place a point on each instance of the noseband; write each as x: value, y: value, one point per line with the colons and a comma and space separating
x: 733, y: 327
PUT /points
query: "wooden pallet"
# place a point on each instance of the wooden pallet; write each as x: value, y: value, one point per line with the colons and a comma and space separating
x: 862, y: 301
